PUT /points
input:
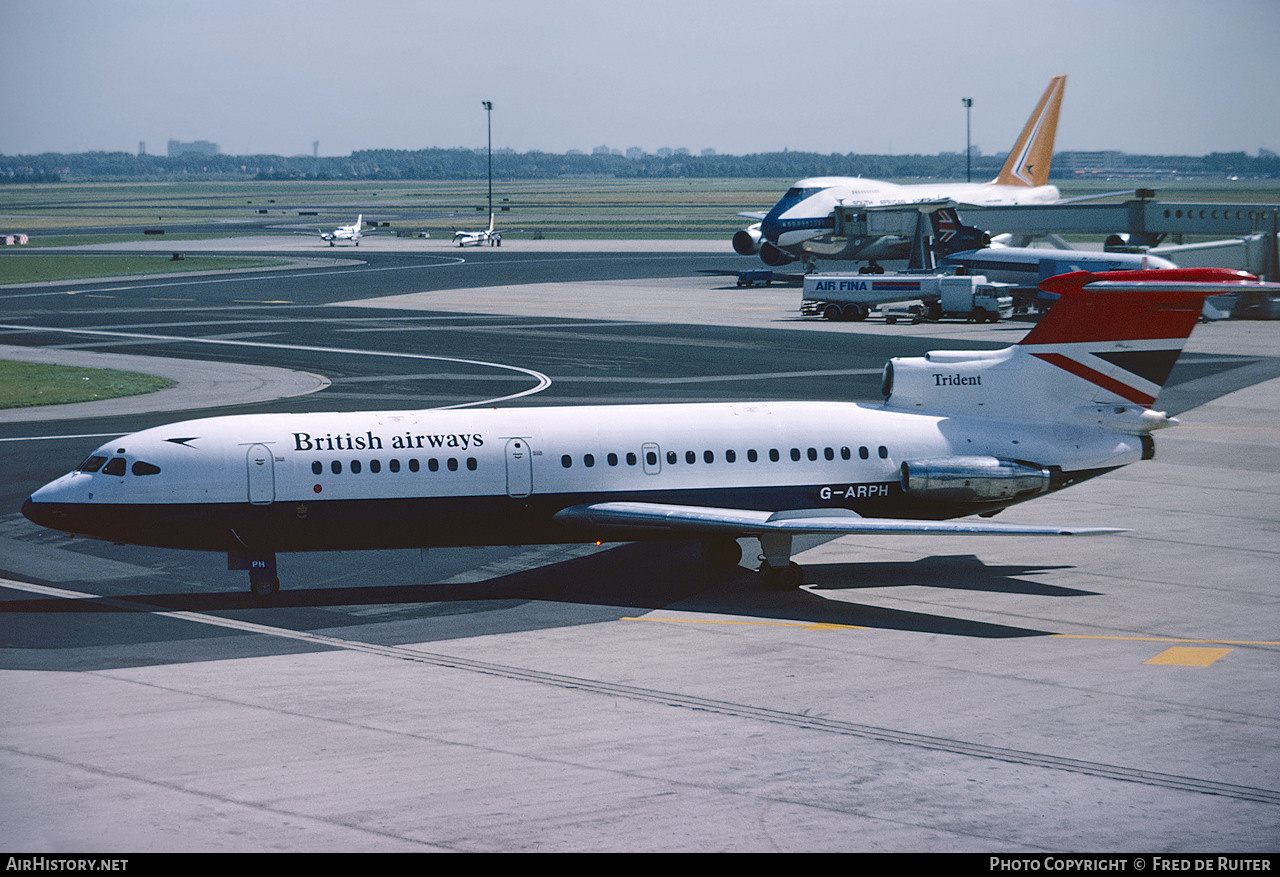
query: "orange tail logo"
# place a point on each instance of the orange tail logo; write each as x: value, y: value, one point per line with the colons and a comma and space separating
x: 1028, y: 163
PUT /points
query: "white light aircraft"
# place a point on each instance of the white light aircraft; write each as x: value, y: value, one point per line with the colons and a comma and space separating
x: 351, y: 232
x: 958, y: 434
x: 1027, y: 266
x: 488, y: 236
x: 802, y: 225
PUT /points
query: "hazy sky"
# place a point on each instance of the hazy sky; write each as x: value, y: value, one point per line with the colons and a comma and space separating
x: 737, y: 76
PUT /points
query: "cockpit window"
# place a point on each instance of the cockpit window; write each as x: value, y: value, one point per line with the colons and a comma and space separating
x: 141, y: 467
x: 92, y: 464
x: 115, y: 466
x: 794, y: 196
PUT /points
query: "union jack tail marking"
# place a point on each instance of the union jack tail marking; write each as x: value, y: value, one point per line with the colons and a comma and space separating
x: 1122, y: 331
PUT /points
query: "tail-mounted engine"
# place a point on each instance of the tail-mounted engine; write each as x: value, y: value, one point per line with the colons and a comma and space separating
x: 974, y: 383
x: 974, y: 479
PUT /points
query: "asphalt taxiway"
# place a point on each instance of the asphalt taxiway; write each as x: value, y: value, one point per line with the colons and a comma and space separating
x: 927, y: 693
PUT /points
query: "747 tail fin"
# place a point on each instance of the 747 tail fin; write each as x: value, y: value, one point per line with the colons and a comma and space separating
x: 1028, y: 161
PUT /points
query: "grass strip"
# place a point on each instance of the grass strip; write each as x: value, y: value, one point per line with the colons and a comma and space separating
x: 40, y: 267
x: 26, y: 384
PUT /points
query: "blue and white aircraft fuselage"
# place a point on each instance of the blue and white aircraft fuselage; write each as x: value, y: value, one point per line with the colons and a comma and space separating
x: 802, y: 224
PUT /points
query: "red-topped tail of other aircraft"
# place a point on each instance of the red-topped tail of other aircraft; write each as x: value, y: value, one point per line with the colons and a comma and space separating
x: 958, y: 434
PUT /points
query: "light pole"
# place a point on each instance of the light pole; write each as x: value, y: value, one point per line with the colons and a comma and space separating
x: 968, y: 148
x: 488, y: 109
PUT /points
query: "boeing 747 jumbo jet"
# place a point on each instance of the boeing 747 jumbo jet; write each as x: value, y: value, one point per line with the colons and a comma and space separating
x: 958, y: 433
x: 802, y: 225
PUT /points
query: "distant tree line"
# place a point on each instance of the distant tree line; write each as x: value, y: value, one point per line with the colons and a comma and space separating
x: 452, y: 164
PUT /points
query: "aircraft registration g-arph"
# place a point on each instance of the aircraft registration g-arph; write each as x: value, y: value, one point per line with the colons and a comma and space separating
x: 802, y: 225
x: 958, y: 433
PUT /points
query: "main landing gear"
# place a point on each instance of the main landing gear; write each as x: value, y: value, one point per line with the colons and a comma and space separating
x: 777, y: 570
x: 264, y: 582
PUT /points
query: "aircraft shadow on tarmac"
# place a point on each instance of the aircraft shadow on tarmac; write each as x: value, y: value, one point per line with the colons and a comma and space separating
x: 606, y: 585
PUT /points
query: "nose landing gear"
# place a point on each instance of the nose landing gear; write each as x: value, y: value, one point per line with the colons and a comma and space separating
x: 264, y: 583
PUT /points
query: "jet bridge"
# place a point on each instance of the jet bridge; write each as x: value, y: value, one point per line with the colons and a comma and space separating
x: 1251, y: 229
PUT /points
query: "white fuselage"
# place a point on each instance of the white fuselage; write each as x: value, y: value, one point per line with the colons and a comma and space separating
x: 1027, y: 266
x: 497, y: 476
x: 806, y: 213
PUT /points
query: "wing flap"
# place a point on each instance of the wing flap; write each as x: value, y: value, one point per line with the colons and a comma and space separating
x: 750, y: 522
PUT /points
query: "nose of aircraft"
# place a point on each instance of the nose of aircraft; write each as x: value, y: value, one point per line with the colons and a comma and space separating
x: 49, y: 506
x: 38, y: 512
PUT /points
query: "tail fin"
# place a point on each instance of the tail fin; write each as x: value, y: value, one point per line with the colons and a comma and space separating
x: 951, y: 235
x: 1028, y: 162
x: 1122, y: 331
x: 1101, y: 353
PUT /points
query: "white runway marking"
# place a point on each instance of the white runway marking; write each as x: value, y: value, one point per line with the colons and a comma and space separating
x: 542, y: 380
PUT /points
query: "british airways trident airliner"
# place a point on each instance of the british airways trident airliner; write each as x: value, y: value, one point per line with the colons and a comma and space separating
x: 958, y: 434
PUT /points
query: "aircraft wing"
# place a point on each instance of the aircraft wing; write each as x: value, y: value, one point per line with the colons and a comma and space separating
x: 754, y: 214
x: 750, y: 522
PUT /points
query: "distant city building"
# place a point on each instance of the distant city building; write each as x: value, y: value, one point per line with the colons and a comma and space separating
x: 664, y: 152
x: 199, y: 147
x: 142, y: 147
x: 635, y: 152
x: 708, y: 152
x: 1105, y: 161
x: 600, y: 150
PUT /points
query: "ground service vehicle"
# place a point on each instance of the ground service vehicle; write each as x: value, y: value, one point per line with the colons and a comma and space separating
x: 852, y: 296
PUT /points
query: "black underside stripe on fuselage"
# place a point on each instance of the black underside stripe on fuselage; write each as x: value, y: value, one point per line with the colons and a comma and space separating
x: 367, y: 524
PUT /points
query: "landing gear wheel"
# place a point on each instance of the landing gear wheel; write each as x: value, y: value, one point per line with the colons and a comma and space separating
x: 264, y: 590
x: 722, y: 553
x: 782, y: 578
